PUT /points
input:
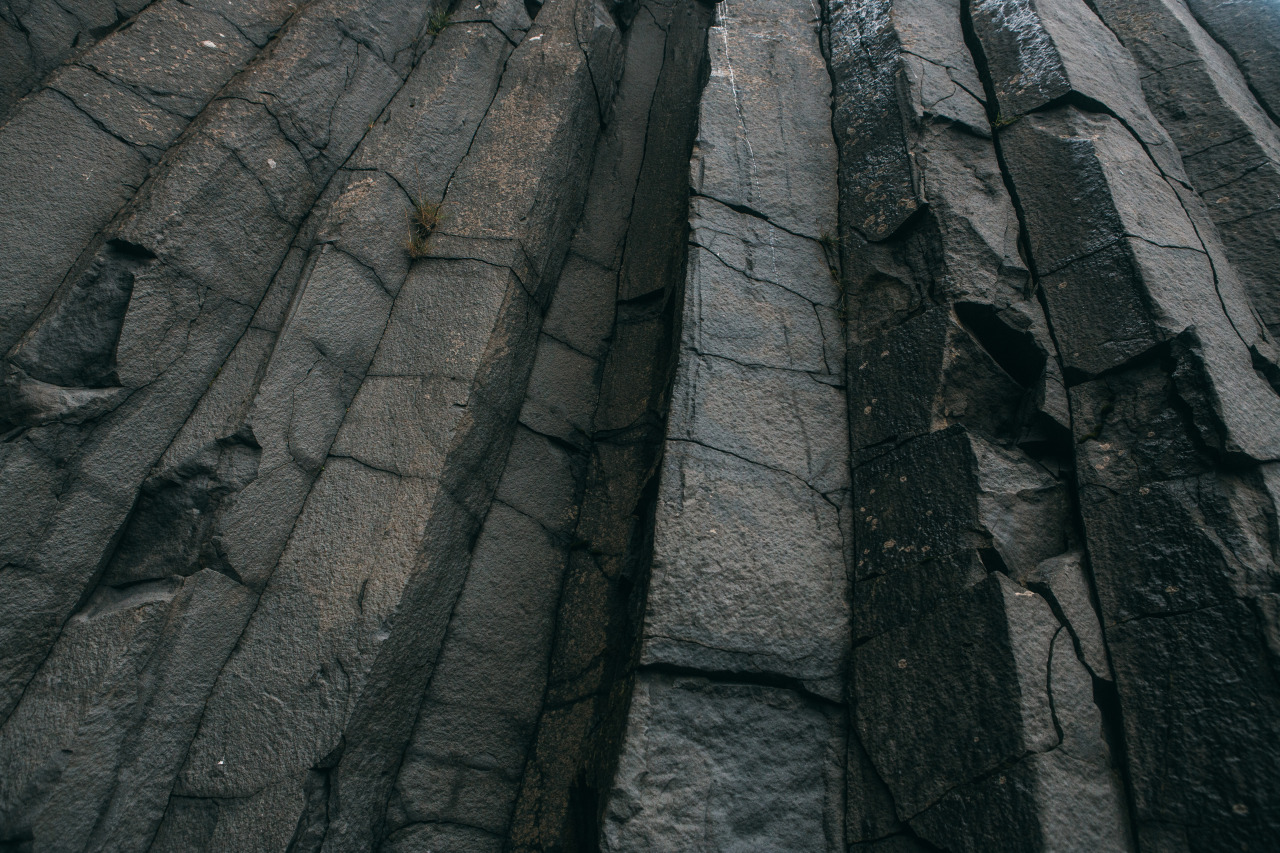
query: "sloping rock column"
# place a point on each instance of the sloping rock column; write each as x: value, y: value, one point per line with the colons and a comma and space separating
x: 1249, y: 30
x: 81, y: 144
x: 398, y: 504
x: 1230, y: 146
x: 639, y: 425
x: 196, y: 267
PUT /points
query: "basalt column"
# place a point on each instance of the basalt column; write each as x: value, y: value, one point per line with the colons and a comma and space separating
x: 1174, y: 422
x: 977, y: 661
x: 735, y: 733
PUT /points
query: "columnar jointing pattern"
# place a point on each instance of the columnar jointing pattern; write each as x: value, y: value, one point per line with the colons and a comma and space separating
x: 845, y: 426
x: 1058, y: 394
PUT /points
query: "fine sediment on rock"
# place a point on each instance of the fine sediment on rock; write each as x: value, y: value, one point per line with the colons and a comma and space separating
x: 639, y: 425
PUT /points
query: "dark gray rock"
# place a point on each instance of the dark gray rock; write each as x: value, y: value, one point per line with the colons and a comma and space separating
x: 1023, y: 770
x: 1063, y: 582
x: 636, y: 258
x: 970, y: 679
x: 213, y: 260
x: 869, y: 810
x: 1202, y: 664
x: 729, y: 766
x: 464, y: 763
x: 638, y: 424
x: 1128, y: 243
x: 950, y: 492
x: 405, y: 484
x: 1250, y: 31
x: 1229, y: 145
x: 1039, y: 53
x: 922, y: 376
x: 866, y: 63
x: 39, y: 35
x: 85, y: 141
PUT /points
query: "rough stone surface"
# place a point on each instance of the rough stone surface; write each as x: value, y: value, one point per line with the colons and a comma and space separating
x: 1229, y: 145
x: 724, y: 767
x: 640, y: 425
x: 1249, y: 31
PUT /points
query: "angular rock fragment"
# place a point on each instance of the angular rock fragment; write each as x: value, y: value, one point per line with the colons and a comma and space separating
x: 923, y: 376
x: 950, y: 492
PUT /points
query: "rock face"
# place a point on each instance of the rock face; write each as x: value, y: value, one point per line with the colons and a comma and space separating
x: 640, y: 425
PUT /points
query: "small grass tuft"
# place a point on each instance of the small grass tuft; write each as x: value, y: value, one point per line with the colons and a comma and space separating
x: 438, y: 21
x: 424, y: 218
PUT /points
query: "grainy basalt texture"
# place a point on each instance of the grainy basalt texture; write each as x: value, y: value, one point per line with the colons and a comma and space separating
x: 640, y: 425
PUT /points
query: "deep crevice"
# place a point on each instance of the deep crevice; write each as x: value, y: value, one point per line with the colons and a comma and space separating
x: 1015, y: 351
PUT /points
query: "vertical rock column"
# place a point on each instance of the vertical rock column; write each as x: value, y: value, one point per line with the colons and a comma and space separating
x: 461, y: 774
x: 975, y: 649
x: 1175, y: 432
x: 571, y: 761
x: 734, y: 733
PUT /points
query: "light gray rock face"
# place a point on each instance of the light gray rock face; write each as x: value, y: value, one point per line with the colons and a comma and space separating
x: 848, y: 425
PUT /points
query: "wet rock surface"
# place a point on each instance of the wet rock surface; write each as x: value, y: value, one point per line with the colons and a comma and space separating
x: 640, y: 426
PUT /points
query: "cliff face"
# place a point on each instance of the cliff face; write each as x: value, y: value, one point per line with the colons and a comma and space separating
x: 640, y: 426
